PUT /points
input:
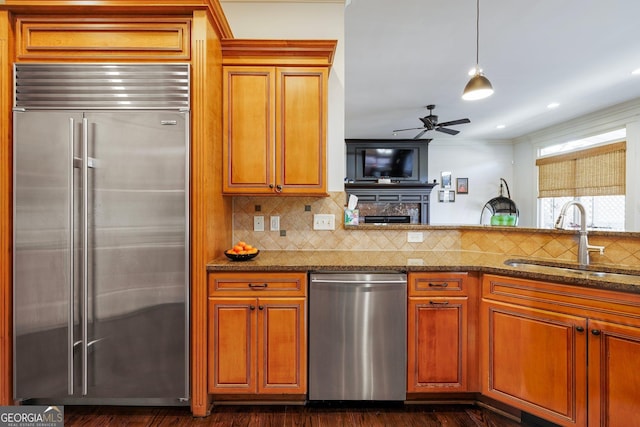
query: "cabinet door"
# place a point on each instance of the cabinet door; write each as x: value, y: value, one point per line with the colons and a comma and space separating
x: 437, y: 345
x: 536, y: 361
x: 614, y: 375
x: 232, y: 355
x: 301, y: 130
x: 248, y: 133
x: 282, y: 346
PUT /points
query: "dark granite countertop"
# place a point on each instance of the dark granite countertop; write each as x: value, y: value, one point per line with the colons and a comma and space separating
x: 415, y: 261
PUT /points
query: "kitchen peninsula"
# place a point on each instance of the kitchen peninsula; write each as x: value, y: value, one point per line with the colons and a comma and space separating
x: 489, y: 319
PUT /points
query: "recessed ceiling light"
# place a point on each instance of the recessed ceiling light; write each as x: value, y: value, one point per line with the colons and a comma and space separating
x: 636, y: 71
x: 501, y: 126
x: 553, y: 105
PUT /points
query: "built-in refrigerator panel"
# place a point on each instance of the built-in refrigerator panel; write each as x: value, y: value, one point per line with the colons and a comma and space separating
x: 101, y: 242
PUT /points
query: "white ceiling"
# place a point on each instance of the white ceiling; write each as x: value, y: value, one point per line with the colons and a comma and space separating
x: 401, y: 55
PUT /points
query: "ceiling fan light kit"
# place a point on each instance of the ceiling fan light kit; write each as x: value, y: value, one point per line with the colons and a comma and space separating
x: 479, y: 86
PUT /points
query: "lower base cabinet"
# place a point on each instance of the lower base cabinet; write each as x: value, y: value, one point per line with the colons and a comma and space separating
x: 537, y: 362
x: 440, y: 317
x: 614, y: 374
x: 257, y: 344
x: 566, y: 354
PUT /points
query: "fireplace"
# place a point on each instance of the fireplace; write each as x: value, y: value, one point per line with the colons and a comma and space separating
x: 392, y: 203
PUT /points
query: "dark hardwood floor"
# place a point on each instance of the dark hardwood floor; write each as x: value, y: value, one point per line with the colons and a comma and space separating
x: 268, y: 416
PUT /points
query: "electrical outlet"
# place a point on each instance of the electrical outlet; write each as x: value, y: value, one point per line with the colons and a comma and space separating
x: 415, y: 237
x: 275, y: 223
x: 258, y: 223
x: 324, y: 222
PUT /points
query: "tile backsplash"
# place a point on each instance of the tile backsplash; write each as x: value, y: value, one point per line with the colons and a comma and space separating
x: 297, y: 233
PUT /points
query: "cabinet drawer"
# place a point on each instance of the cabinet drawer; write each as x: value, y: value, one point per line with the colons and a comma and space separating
x: 257, y: 284
x: 437, y: 284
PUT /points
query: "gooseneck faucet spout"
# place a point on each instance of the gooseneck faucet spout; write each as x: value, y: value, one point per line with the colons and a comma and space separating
x: 583, y: 243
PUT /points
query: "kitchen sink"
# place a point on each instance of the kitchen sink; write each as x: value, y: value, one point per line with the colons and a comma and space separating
x: 541, y: 267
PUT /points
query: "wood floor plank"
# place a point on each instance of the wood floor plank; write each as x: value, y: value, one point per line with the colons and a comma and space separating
x: 289, y: 416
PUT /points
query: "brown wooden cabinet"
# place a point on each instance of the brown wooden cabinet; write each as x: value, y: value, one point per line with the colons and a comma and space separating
x: 564, y: 353
x: 614, y: 374
x: 537, y: 362
x: 274, y: 125
x: 438, y: 333
x: 257, y: 333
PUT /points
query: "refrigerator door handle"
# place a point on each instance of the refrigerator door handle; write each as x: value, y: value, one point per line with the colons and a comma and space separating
x: 85, y: 253
x: 70, y: 323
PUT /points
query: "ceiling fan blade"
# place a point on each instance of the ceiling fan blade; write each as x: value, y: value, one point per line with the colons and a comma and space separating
x: 400, y: 130
x: 455, y: 122
x: 449, y: 131
x: 420, y: 134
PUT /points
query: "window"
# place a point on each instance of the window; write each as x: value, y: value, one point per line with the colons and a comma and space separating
x: 594, y: 176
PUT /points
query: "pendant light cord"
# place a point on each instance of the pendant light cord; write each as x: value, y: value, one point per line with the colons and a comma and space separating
x: 477, y: 34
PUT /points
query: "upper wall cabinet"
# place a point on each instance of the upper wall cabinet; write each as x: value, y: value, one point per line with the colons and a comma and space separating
x: 275, y: 116
x: 44, y: 37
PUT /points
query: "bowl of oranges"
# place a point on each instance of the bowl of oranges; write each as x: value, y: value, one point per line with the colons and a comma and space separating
x: 241, y: 251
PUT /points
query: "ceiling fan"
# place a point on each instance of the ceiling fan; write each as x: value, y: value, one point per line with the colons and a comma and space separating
x: 431, y: 123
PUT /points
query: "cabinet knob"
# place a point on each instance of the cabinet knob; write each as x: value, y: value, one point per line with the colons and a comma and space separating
x: 261, y: 307
x: 270, y: 185
x: 579, y: 329
x: 278, y: 188
x: 252, y: 307
x: 438, y: 285
x: 595, y: 331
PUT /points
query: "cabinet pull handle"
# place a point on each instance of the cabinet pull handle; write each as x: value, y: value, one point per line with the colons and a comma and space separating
x: 252, y: 307
x: 579, y: 329
x: 439, y: 302
x: 261, y: 307
x: 438, y: 285
x: 258, y: 285
x: 595, y: 331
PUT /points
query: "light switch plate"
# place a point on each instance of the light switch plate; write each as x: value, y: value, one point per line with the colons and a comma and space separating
x: 324, y: 222
x: 274, y: 223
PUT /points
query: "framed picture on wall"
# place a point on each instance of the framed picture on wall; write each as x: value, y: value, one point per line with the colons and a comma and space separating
x: 446, y: 196
x: 462, y: 185
x: 445, y: 179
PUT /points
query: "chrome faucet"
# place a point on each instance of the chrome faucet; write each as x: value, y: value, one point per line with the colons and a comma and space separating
x: 583, y: 243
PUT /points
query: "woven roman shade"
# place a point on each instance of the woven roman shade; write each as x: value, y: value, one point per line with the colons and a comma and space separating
x: 598, y: 171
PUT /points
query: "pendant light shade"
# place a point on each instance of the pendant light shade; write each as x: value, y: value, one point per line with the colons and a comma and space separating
x: 479, y: 86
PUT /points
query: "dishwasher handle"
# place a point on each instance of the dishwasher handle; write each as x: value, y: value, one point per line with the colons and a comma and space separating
x: 358, y: 282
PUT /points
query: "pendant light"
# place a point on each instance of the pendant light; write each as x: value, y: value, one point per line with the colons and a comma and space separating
x: 479, y: 86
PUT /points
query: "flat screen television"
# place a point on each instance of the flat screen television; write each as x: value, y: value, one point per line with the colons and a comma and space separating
x: 387, y: 162
x: 399, y: 160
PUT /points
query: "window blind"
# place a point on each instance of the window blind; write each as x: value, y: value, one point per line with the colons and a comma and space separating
x: 598, y: 171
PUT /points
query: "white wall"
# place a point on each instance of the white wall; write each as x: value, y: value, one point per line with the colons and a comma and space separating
x: 302, y: 20
x: 483, y: 162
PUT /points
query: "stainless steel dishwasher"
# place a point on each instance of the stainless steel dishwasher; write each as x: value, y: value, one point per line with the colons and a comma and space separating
x: 358, y: 336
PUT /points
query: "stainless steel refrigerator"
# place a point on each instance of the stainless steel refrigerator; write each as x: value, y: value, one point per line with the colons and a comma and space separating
x: 101, y: 233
